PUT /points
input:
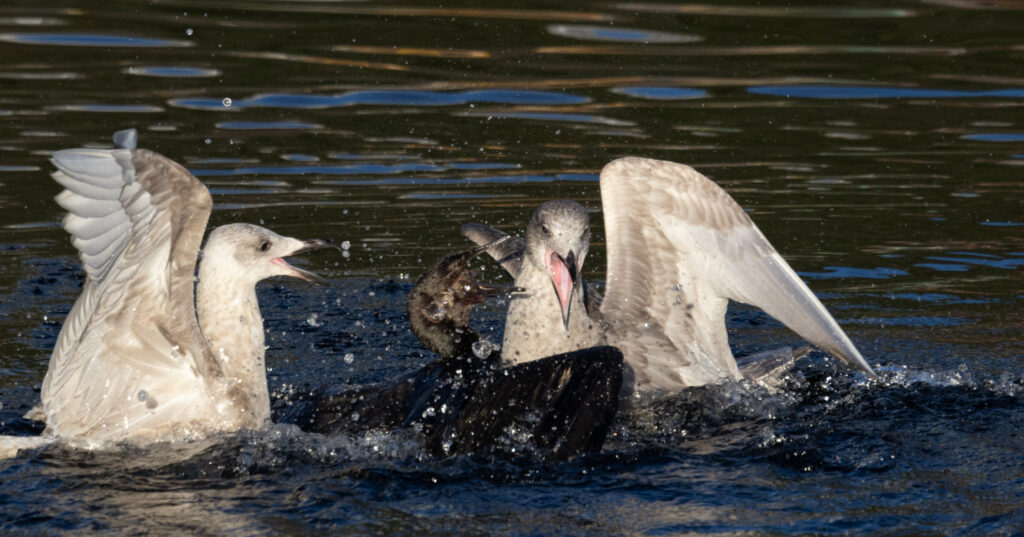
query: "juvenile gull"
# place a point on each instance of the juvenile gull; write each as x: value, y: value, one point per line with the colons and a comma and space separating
x: 678, y: 249
x: 141, y: 357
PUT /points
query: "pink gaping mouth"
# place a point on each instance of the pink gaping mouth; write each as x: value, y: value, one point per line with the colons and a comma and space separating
x: 561, y: 278
x: 295, y: 272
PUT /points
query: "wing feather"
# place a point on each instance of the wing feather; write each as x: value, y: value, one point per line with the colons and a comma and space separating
x: 508, y: 254
x: 137, y: 220
x: 679, y: 247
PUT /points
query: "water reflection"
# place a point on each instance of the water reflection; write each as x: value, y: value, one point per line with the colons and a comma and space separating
x: 876, y: 92
x: 995, y: 137
x: 619, y: 33
x: 91, y: 40
x: 838, y: 12
x: 385, y: 98
x: 172, y: 72
x: 266, y: 125
x: 107, y: 108
x: 389, y: 125
x: 661, y: 93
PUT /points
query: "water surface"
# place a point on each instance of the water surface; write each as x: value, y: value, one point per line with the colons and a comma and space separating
x: 878, y: 146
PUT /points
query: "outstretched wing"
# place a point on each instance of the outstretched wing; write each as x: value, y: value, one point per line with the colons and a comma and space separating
x: 679, y: 247
x: 131, y: 348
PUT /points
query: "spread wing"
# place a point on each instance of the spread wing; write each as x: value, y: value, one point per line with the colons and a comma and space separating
x: 130, y: 351
x: 679, y: 247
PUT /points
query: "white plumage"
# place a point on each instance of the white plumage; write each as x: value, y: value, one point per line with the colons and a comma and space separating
x: 134, y: 361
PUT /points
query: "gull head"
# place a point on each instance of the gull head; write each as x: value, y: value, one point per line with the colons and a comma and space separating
x: 253, y: 253
x: 557, y: 240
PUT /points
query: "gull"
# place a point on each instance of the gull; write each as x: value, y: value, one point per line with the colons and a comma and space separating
x: 141, y: 357
x: 678, y: 249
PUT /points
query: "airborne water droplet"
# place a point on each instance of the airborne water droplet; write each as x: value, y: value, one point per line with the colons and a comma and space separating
x: 189, y: 31
x: 226, y: 102
x: 143, y: 395
x: 483, y: 348
x: 349, y: 358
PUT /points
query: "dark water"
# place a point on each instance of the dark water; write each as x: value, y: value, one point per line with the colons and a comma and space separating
x: 879, y: 147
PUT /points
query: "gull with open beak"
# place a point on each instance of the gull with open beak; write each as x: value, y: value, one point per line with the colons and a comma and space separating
x: 147, y: 353
x: 550, y: 317
x: 678, y: 249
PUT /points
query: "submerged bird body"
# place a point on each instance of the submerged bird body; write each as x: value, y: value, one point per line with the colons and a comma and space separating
x: 141, y: 357
x: 466, y: 402
x: 678, y: 248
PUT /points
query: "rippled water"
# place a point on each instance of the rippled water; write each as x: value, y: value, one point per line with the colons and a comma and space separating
x: 879, y: 147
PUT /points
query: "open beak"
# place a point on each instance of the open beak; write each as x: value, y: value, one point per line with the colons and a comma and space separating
x: 314, y: 244
x: 563, y: 277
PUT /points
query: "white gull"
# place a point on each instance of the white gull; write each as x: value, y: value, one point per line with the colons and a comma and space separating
x: 678, y: 249
x: 141, y: 358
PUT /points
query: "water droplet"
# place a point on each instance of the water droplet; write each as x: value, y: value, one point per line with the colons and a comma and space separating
x: 189, y: 31
x: 226, y: 102
x: 208, y: 141
x: 312, y: 321
x: 345, y: 245
x: 349, y: 358
x: 143, y: 395
x: 483, y: 348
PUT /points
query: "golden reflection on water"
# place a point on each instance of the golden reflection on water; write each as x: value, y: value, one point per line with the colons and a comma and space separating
x: 770, y: 11
x: 777, y: 50
x: 409, y: 11
x: 321, y: 60
x: 399, y: 50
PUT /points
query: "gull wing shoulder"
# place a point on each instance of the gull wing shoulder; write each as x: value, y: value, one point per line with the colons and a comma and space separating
x: 137, y: 220
x: 678, y: 247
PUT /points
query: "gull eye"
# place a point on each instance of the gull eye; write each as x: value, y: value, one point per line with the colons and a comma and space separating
x: 544, y: 228
x: 264, y: 246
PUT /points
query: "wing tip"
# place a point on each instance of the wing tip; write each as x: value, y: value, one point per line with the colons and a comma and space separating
x: 126, y: 139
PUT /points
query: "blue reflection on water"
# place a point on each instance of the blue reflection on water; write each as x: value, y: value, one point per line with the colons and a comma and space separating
x: 91, y: 40
x: 385, y: 98
x: 878, y: 273
x: 995, y: 137
x: 916, y: 320
x: 662, y: 93
x: 1002, y: 224
x: 941, y: 298
x: 870, y: 92
x: 619, y: 34
x: 943, y: 267
x: 327, y: 169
